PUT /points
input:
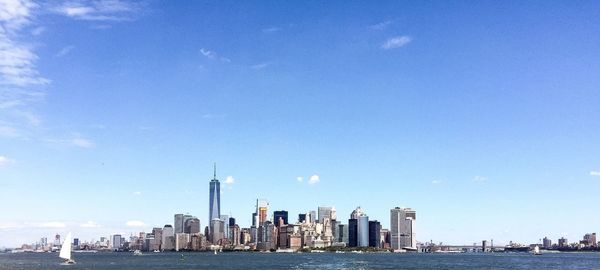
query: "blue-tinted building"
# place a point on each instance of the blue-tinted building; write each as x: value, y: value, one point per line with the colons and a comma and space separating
x: 280, y: 214
x: 363, y: 231
x: 353, y: 232
x: 214, y: 210
x: 374, y: 233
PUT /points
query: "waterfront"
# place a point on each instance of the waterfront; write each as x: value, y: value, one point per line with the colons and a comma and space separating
x: 242, y: 260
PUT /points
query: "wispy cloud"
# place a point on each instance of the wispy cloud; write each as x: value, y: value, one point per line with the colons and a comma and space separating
x: 9, y: 132
x: 76, y: 141
x: 381, y: 25
x: 480, y: 179
x: 595, y: 173
x: 300, y: 179
x: 90, y: 224
x: 5, y: 162
x: 135, y: 223
x: 81, y: 142
x: 137, y: 193
x: 260, y: 66
x: 396, y: 42
x: 436, y: 182
x: 64, y: 51
x: 99, y: 10
x: 271, y: 29
x: 314, y: 179
x: 213, y: 55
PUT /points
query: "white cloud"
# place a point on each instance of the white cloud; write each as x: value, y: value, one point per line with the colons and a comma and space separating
x: 315, y: 178
x: 479, y: 179
x: 90, y: 224
x: 99, y: 10
x: 17, y: 60
x: 137, y: 193
x: 271, y: 29
x: 5, y: 162
x: 435, y: 182
x: 64, y: 51
x: 208, y: 53
x: 396, y: 42
x: 135, y: 223
x: 299, y: 178
x: 83, y: 143
x: 213, y: 55
x: 50, y: 224
x: 595, y: 173
x: 229, y: 180
x: 381, y: 25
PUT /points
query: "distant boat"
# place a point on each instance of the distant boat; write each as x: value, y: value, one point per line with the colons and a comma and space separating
x: 65, y: 251
x: 536, y: 250
x: 215, y: 252
x: 138, y: 253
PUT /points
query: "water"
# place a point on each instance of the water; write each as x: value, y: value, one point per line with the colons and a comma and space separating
x: 302, y: 261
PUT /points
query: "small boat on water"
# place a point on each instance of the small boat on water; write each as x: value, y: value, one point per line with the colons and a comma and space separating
x: 65, y: 251
x: 138, y: 253
x: 536, y: 250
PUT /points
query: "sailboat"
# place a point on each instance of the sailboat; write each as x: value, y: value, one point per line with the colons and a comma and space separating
x: 536, y: 250
x: 65, y: 251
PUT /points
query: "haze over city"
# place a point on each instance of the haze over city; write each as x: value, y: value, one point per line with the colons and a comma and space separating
x: 483, y: 117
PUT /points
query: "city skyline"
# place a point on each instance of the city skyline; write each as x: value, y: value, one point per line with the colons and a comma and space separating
x: 112, y: 114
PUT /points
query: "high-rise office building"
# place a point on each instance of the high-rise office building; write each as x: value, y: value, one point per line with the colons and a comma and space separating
x: 217, y: 228
x: 301, y: 218
x: 325, y: 212
x: 402, y: 228
x: 547, y: 243
x: 343, y: 233
x: 363, y: 231
x: 374, y: 233
x: 214, y: 210
x: 225, y: 220
x: 178, y: 228
x: 280, y: 214
x: 358, y: 229
x: 192, y: 225
x: 262, y: 207
x: 157, y: 232
x: 563, y: 242
x: 353, y: 232
x: 168, y: 238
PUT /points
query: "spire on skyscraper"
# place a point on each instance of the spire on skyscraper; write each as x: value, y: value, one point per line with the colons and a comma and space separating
x: 215, y: 168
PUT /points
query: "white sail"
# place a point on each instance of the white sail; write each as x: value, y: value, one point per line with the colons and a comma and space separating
x: 65, y: 250
x: 536, y: 250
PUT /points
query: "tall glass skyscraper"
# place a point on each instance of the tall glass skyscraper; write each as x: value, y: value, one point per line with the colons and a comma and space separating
x: 214, y: 210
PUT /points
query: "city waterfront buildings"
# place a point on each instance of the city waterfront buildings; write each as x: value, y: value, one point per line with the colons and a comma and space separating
x: 402, y: 229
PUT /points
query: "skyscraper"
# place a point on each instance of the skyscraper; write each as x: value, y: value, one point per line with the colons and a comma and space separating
x: 280, y: 214
x: 374, y: 233
x: 402, y: 228
x: 262, y: 206
x: 325, y: 212
x: 363, y: 231
x: 214, y: 210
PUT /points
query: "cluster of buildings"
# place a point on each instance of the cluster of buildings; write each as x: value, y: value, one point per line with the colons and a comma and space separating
x: 589, y: 241
x: 312, y: 230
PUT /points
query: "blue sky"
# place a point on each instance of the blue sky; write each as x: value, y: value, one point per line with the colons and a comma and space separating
x: 482, y: 116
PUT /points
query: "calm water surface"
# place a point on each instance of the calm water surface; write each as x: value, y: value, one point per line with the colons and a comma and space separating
x: 302, y: 261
